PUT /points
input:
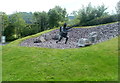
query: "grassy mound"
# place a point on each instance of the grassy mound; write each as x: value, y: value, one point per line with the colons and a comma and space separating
x: 94, y: 63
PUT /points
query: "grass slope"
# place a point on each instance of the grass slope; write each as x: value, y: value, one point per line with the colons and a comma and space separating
x: 94, y: 63
x: 0, y: 63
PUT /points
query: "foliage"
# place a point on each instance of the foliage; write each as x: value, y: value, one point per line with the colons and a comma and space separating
x: 28, y: 17
x: 73, y: 22
x: 118, y: 10
x: 18, y: 23
x: 4, y: 21
x: 29, y: 29
x: 89, y: 13
x: 41, y: 20
x: 56, y: 15
x: 118, y: 7
x: 10, y: 32
x: 103, y: 20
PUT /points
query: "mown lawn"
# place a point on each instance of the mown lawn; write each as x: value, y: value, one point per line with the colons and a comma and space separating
x: 94, y: 63
x: 0, y: 63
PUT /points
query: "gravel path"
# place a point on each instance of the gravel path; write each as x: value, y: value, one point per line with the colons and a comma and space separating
x: 105, y: 32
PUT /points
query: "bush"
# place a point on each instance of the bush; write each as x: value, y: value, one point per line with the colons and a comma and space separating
x: 103, y: 20
x: 9, y: 32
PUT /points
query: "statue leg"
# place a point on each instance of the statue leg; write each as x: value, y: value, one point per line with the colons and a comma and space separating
x: 59, y: 39
x: 66, y: 40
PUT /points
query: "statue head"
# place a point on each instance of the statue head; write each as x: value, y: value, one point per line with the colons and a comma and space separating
x: 65, y: 24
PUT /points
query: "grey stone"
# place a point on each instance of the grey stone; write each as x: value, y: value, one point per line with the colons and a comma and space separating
x: 105, y: 32
x: 47, y: 37
x: 56, y: 37
x: 41, y: 39
x: 83, y: 42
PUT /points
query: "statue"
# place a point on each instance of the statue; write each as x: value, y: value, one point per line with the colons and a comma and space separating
x: 63, y: 33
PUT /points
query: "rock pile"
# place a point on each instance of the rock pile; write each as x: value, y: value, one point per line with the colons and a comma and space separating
x: 105, y: 32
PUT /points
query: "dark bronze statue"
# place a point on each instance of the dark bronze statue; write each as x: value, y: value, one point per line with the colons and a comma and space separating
x: 63, y: 32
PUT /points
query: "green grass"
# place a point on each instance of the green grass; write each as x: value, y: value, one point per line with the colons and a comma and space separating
x: 94, y: 63
x: 0, y: 63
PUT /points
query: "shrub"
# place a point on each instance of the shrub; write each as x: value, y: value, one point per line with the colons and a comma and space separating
x: 102, y: 20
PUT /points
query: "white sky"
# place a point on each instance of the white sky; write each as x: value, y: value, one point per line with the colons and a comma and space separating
x: 11, y: 6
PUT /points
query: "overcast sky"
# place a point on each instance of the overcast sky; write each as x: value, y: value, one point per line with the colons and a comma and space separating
x: 11, y: 6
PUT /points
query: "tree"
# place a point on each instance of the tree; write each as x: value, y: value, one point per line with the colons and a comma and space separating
x: 118, y: 7
x: 4, y: 21
x: 10, y: 32
x: 56, y: 15
x: 27, y: 16
x: 118, y: 10
x: 41, y: 20
x: 18, y: 23
x: 89, y: 13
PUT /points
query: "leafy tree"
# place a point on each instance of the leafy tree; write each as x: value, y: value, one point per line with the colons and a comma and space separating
x: 27, y: 16
x: 4, y: 22
x: 53, y: 18
x: 10, y: 32
x: 118, y: 10
x: 118, y: 7
x: 89, y: 13
x: 41, y: 20
x: 56, y: 15
x: 18, y: 23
